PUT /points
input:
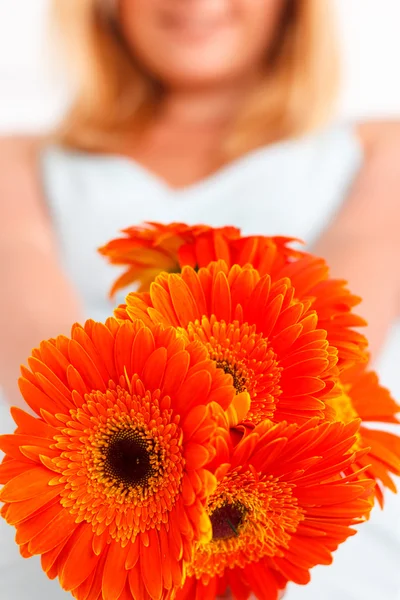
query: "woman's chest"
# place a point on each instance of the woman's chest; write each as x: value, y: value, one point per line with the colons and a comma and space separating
x: 292, y: 190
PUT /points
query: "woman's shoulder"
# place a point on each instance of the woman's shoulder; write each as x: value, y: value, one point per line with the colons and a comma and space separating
x: 333, y: 150
x: 369, y: 136
x: 378, y: 135
x: 18, y: 158
x: 20, y: 187
x: 20, y: 146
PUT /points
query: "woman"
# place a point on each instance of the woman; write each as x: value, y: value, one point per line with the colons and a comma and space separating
x: 181, y: 113
x: 199, y: 112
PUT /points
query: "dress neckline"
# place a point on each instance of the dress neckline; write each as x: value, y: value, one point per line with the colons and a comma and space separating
x: 214, y: 179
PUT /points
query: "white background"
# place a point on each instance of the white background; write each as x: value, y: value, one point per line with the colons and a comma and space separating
x: 33, y: 94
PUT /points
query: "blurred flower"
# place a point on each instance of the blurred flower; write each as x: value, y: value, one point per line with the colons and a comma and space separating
x: 109, y: 482
x: 283, y: 504
x: 153, y: 248
x: 254, y: 330
x: 364, y: 398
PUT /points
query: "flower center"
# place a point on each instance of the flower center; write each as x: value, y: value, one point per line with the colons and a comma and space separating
x: 121, y: 460
x: 247, y: 356
x: 128, y: 459
x: 252, y: 517
x: 227, y: 520
x: 239, y: 381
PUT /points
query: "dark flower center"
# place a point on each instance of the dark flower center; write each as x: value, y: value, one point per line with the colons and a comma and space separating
x: 227, y: 520
x: 239, y: 381
x: 128, y: 459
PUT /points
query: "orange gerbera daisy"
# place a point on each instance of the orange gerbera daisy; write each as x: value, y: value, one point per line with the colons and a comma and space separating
x: 254, y: 330
x: 109, y: 483
x: 333, y: 303
x: 149, y: 249
x: 364, y: 398
x: 153, y: 248
x: 310, y: 278
x: 283, y: 504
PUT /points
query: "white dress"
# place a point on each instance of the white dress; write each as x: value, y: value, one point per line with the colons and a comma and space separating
x: 293, y: 189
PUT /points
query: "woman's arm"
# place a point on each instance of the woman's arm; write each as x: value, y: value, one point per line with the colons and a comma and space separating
x: 36, y: 300
x: 363, y: 243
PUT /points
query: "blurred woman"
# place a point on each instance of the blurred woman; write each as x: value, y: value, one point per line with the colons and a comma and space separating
x: 194, y: 111
x: 210, y: 112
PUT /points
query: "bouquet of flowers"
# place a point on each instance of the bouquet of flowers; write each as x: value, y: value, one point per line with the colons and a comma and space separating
x: 213, y: 435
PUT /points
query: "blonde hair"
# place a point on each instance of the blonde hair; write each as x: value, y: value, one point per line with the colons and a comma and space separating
x: 114, y: 95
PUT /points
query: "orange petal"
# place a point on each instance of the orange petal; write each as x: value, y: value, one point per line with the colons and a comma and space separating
x: 86, y: 367
x: 28, y: 424
x: 191, y: 279
x: 83, y: 337
x: 55, y: 385
x: 26, y: 485
x: 150, y: 566
x: 163, y: 304
x: 36, y: 399
x: 123, y: 348
x: 238, y: 409
x: 18, y: 511
x: 35, y: 453
x: 136, y: 583
x: 143, y: 346
x: 153, y: 371
x: 176, y: 371
x: 221, y: 302
x: 292, y: 572
x: 261, y: 581
x: 194, y: 391
x: 165, y: 559
x: 194, y: 420
x: 28, y: 529
x: 49, y: 560
x: 58, y: 393
x: 59, y: 528
x: 102, y: 338
x: 83, y: 591
x: 81, y: 560
x: 183, y: 302
x: 100, y: 542
x: 133, y: 554
x: 114, y: 574
x: 10, y: 444
x: 95, y: 590
x: 12, y: 468
x: 77, y: 384
x: 196, y: 456
x: 54, y: 359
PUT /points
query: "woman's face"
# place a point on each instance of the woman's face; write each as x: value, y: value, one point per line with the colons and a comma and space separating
x: 195, y: 43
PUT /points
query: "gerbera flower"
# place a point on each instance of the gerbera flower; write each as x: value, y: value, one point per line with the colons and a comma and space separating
x: 152, y: 248
x: 254, y: 330
x: 109, y: 482
x: 309, y: 275
x: 364, y: 398
x: 285, y: 502
x: 333, y: 303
